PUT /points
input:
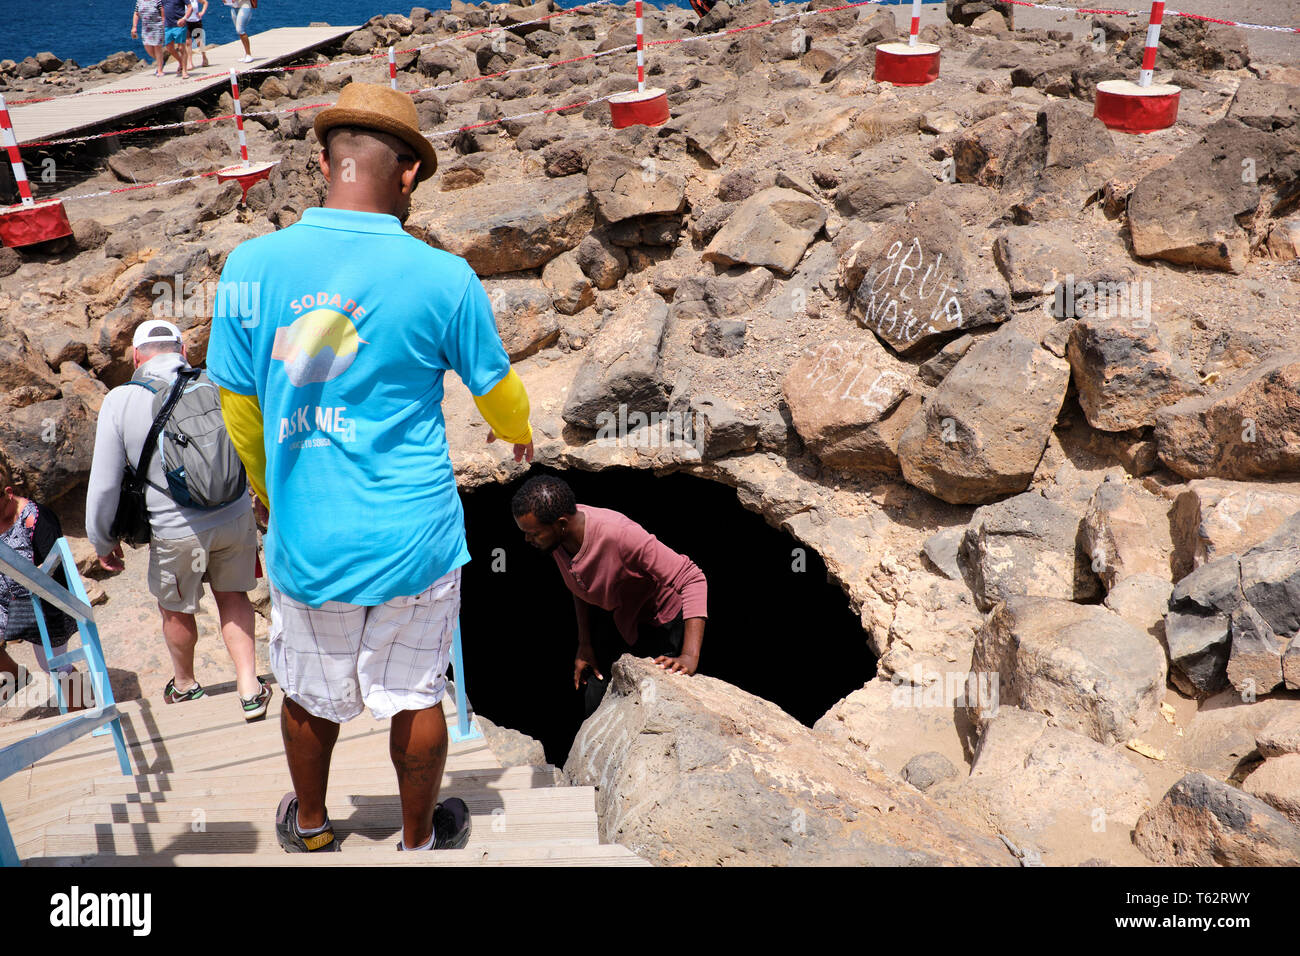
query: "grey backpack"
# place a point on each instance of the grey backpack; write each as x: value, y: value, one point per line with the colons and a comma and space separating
x: 202, y: 468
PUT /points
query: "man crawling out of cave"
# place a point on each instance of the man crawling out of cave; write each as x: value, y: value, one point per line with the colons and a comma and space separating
x: 631, y: 593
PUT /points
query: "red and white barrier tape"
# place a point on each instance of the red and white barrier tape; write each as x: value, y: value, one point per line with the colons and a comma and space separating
x: 473, y: 79
x: 368, y: 58
x: 1138, y: 13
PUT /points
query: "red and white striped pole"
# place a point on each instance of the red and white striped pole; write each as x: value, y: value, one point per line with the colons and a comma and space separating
x: 392, y: 68
x: 1153, y: 41
x: 239, y: 117
x: 10, y: 141
x: 640, y: 50
x: 916, y: 23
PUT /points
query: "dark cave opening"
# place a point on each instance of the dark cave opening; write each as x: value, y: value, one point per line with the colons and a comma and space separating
x: 778, y: 628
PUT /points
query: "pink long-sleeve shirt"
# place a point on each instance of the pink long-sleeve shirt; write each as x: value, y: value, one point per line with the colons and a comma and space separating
x: 624, y: 569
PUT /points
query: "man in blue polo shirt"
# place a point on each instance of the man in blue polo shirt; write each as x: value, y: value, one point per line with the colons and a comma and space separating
x: 330, y: 343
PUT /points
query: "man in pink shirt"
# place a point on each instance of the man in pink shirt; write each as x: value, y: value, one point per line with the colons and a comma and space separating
x: 631, y: 593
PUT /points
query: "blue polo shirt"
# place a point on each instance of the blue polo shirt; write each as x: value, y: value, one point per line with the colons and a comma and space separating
x: 343, y: 326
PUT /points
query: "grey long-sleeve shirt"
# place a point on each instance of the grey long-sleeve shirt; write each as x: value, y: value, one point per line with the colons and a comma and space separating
x: 123, y: 425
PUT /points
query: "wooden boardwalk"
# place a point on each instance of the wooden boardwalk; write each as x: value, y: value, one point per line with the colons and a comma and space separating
x: 206, y: 786
x: 67, y: 115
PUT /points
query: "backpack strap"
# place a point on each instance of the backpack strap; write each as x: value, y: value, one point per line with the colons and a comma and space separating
x: 151, y: 439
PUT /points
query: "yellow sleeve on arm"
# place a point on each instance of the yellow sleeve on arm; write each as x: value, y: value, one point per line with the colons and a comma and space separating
x: 243, y: 417
x: 505, y: 408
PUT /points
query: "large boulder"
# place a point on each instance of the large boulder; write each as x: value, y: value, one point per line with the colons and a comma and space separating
x: 1035, y: 259
x: 48, y: 444
x: 916, y: 282
x: 622, y: 189
x: 878, y: 190
x: 982, y: 432
x: 1187, y: 44
x: 771, y: 228
x: 1030, y: 777
x: 1124, y: 373
x: 1198, y: 626
x: 1281, y: 734
x: 1203, y: 822
x: 24, y: 376
x: 1025, y: 545
x: 621, y: 366
x: 691, y: 770
x: 526, y: 320
x: 1264, y: 105
x: 981, y: 151
x: 729, y: 294
x: 850, y: 400
x: 1277, y: 783
x: 1247, y: 430
x: 1237, y: 617
x: 1205, y: 207
x: 1059, y: 162
x: 497, y: 227
x: 1125, y: 532
x: 1087, y: 667
x: 1223, y: 738
x: 709, y: 131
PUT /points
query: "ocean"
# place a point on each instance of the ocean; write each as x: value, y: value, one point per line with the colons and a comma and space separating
x: 89, y: 30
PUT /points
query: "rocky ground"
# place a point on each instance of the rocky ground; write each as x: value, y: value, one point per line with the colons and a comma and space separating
x: 1031, y: 388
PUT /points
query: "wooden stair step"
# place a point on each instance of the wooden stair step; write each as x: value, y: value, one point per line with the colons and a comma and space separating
x: 469, y: 771
x: 575, y: 855
x: 248, y: 836
x: 364, y: 750
x: 233, y: 808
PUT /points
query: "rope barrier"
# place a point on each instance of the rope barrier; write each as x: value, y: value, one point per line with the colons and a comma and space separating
x: 639, y: 46
x: 368, y: 58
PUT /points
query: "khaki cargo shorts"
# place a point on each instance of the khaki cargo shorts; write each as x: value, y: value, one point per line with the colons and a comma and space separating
x: 224, y: 556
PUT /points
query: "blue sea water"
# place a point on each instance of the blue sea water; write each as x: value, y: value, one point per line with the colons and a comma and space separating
x: 89, y: 30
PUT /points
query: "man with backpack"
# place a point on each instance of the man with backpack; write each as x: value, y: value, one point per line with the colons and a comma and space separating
x: 193, y: 506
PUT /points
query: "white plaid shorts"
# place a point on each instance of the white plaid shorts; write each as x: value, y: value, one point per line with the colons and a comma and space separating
x: 332, y: 659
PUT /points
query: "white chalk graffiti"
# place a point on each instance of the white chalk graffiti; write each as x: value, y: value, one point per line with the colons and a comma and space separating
x: 837, y: 374
x: 897, y: 307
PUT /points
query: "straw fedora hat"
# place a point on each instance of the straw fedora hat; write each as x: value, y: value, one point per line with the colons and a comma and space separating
x: 381, y: 108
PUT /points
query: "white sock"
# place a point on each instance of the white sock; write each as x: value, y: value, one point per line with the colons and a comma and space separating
x: 302, y: 830
x: 426, y: 846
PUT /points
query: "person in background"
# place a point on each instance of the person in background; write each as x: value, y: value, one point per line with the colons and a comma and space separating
x: 31, y: 530
x: 147, y: 23
x: 174, y: 33
x: 240, y: 12
x: 188, y: 545
x: 194, y: 31
x: 631, y: 592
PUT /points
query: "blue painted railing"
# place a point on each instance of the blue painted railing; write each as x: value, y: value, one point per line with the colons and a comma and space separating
x: 103, y: 718
x: 465, y: 728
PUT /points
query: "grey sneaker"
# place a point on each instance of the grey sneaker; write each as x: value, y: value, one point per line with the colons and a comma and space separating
x: 451, y: 825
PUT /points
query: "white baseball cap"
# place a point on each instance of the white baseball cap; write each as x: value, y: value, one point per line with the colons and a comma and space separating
x: 155, y: 330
